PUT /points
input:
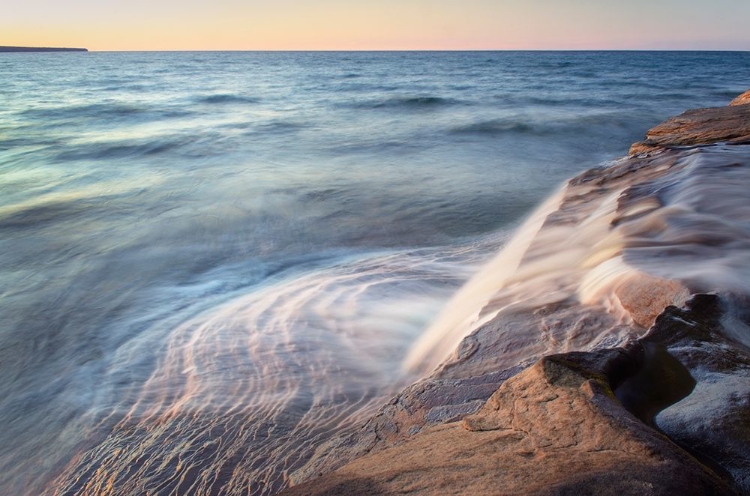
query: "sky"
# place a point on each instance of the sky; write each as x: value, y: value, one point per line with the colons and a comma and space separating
x: 377, y: 25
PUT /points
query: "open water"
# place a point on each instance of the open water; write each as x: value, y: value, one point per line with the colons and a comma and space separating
x: 211, y: 262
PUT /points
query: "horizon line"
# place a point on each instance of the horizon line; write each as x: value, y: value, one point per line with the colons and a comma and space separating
x: 402, y: 50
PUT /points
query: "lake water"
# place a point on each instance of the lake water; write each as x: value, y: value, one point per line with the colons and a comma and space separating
x: 210, y: 262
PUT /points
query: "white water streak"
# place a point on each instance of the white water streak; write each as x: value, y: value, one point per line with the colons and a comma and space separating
x: 630, y: 245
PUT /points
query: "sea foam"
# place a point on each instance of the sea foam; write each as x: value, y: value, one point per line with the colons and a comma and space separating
x: 627, y: 247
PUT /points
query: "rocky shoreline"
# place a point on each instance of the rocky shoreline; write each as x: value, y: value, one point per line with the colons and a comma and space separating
x: 729, y: 124
x: 618, y: 380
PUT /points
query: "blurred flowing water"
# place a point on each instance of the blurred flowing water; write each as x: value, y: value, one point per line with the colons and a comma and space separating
x: 210, y: 262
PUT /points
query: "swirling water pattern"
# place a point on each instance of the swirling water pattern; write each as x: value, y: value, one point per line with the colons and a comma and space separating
x: 209, y: 262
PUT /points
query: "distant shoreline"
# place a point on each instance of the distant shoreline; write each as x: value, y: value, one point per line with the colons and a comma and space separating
x: 6, y: 49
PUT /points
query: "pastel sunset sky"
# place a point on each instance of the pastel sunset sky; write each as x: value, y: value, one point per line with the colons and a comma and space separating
x: 377, y: 25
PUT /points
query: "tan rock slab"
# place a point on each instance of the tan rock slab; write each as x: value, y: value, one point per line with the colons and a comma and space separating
x: 699, y: 127
x: 555, y: 428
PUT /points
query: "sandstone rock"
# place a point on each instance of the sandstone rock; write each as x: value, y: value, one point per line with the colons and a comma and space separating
x: 645, y: 297
x: 713, y: 421
x: 743, y: 99
x: 590, y: 423
x: 555, y: 428
x: 667, y: 414
x: 518, y: 337
x: 426, y: 403
x: 699, y: 127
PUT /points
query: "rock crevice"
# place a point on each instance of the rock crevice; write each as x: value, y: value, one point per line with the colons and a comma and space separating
x: 559, y: 427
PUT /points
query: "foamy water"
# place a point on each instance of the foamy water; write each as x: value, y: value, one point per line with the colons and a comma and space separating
x: 626, y: 248
x: 465, y: 313
x: 278, y: 370
x: 210, y: 263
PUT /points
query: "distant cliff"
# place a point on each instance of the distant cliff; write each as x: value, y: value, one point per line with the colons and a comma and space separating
x: 39, y: 49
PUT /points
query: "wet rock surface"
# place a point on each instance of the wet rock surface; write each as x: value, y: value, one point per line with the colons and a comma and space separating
x: 660, y: 404
x: 713, y: 421
x: 666, y: 414
x: 743, y: 99
x: 729, y: 124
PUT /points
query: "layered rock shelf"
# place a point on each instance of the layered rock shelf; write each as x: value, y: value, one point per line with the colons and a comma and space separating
x: 640, y: 385
x: 729, y: 124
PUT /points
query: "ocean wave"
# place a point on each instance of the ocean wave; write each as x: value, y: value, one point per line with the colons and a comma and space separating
x: 121, y: 149
x: 225, y: 98
x: 536, y: 125
x: 563, y: 100
x: 279, y: 126
x: 20, y: 140
x: 57, y: 207
x: 372, y: 145
x: 494, y: 126
x: 103, y: 111
x: 426, y: 102
x: 35, y: 216
x: 278, y: 370
x: 730, y: 94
